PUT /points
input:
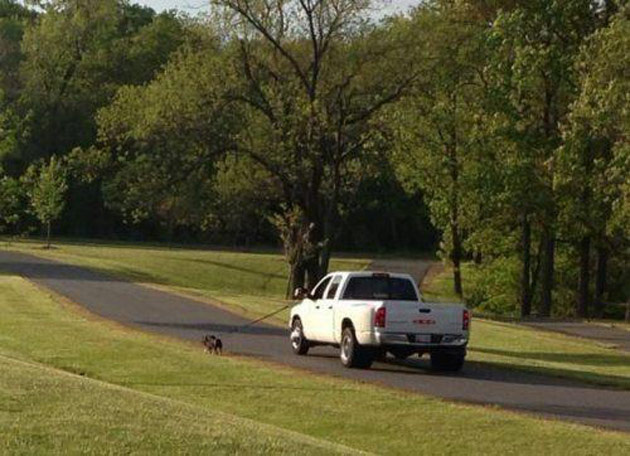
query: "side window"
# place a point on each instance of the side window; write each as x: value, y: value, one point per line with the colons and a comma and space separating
x: 318, y: 292
x: 334, y: 286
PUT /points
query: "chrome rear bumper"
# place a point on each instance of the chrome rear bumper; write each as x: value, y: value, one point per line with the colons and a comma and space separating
x: 421, y: 340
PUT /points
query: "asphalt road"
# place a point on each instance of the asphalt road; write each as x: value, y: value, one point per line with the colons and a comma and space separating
x: 161, y: 312
x: 614, y: 337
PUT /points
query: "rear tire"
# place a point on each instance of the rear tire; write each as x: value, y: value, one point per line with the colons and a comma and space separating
x: 299, y: 343
x: 352, y: 355
x: 448, y: 361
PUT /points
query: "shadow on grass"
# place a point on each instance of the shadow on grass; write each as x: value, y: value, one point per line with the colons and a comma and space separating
x: 267, y: 275
x: 47, y: 269
x: 569, y: 358
x: 143, y: 245
x: 234, y: 386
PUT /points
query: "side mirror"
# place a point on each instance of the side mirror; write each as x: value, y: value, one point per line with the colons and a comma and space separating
x: 300, y: 293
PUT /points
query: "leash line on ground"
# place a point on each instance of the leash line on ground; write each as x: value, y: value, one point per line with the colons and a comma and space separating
x: 258, y: 320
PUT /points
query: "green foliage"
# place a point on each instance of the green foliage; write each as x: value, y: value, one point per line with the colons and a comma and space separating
x: 76, y: 55
x: 48, y: 192
x: 493, y: 287
x: 11, y: 203
x: 14, y: 18
x: 243, y: 198
x: 437, y: 124
x: 164, y: 139
x: 600, y: 125
x: 309, y: 82
x: 506, y: 120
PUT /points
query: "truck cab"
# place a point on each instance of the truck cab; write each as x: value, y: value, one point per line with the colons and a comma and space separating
x: 368, y: 314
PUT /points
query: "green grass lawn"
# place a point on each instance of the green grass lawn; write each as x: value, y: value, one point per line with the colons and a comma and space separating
x: 44, y: 410
x: 126, y: 391
x: 438, y: 285
x: 512, y: 346
x: 253, y: 284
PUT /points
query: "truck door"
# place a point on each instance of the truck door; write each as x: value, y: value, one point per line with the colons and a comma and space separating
x: 326, y: 311
x: 312, y: 328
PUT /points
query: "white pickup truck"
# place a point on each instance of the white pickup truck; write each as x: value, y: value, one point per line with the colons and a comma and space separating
x: 367, y: 314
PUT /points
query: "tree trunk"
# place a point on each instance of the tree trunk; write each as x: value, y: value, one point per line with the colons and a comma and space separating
x: 170, y: 231
x: 526, y: 260
x: 456, y: 258
x: 600, y: 280
x: 583, y: 288
x: 478, y: 258
x: 313, y: 272
x: 296, y: 279
x: 547, y: 270
x: 394, y: 230
x: 324, y: 260
x: 48, y: 234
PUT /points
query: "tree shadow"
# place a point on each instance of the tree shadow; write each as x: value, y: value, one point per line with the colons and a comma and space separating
x: 52, y: 270
x: 267, y: 275
x: 234, y: 386
x: 220, y: 328
x: 496, y: 373
x: 611, y: 360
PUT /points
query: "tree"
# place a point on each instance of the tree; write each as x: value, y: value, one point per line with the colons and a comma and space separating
x: 11, y: 203
x: 76, y: 56
x: 531, y: 73
x: 13, y: 20
x: 593, y: 163
x: 162, y: 140
x: 48, y: 194
x: 310, y: 78
x: 437, y: 121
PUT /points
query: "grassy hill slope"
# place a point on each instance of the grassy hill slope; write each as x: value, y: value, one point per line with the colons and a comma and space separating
x: 38, y: 408
x: 254, y: 283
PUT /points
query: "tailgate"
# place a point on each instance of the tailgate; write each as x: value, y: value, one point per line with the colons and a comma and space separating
x: 422, y: 318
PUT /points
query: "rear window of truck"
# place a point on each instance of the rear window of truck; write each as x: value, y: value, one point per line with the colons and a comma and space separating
x: 380, y: 289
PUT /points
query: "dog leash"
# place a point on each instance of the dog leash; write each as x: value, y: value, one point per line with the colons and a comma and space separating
x: 258, y: 320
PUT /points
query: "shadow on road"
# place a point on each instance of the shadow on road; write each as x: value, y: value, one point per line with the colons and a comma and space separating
x: 44, y: 270
x: 220, y: 328
x: 484, y: 372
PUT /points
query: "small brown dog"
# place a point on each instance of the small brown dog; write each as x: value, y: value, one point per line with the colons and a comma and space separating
x: 213, y: 345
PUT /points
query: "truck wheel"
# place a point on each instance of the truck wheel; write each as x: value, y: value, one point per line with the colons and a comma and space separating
x: 352, y: 354
x: 448, y: 361
x: 299, y: 343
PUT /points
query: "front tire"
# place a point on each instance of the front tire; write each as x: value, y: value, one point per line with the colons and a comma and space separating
x: 448, y: 361
x: 299, y: 343
x: 352, y: 355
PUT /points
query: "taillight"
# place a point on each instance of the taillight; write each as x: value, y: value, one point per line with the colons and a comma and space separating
x: 380, y: 317
x: 465, y: 320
